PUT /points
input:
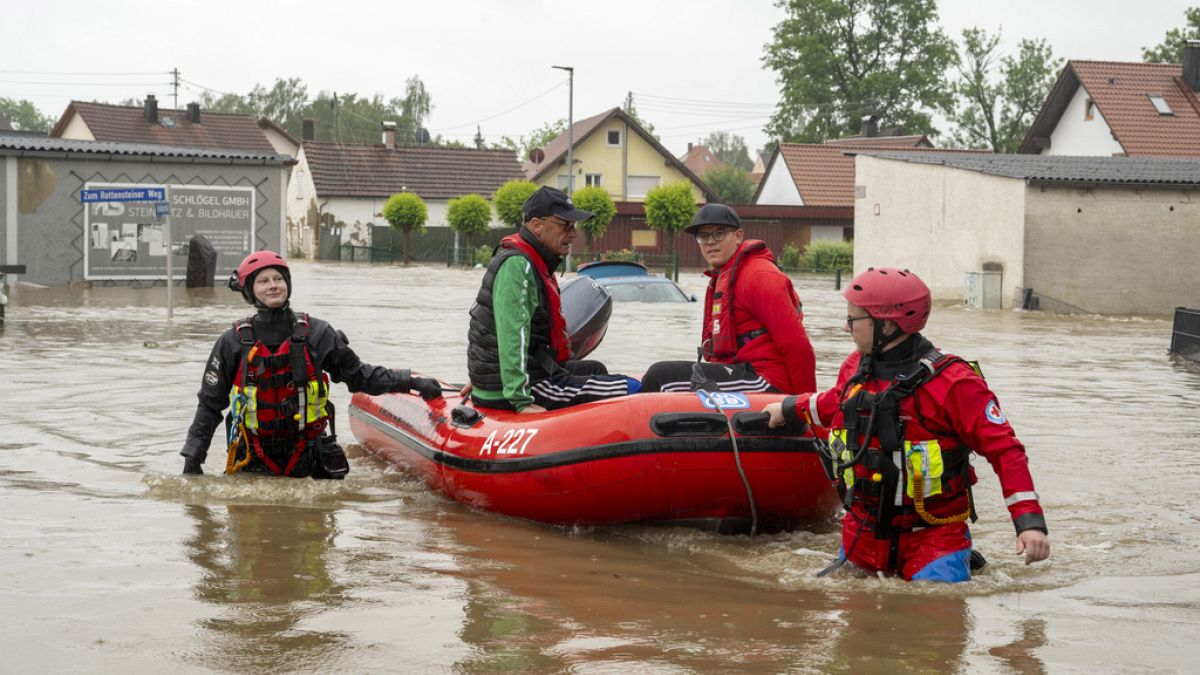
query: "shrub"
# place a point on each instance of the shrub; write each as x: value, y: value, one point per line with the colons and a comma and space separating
x: 405, y: 211
x: 509, y: 200
x: 597, y: 200
x: 469, y: 215
x: 483, y: 255
x: 827, y: 256
x: 624, y: 255
x: 670, y: 208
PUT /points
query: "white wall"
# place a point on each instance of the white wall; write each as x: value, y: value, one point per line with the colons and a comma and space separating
x: 779, y: 187
x: 1077, y: 136
x: 77, y: 129
x: 940, y: 223
x: 282, y: 145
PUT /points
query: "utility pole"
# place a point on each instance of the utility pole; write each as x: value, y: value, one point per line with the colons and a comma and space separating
x: 175, y: 88
x: 570, y: 127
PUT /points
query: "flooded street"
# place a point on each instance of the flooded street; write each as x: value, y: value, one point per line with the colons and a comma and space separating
x: 117, y: 563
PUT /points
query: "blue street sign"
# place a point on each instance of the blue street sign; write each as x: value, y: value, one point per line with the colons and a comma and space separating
x: 162, y: 209
x: 151, y: 194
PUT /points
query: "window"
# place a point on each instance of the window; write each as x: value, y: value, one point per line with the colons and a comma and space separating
x: 640, y: 185
x: 591, y: 179
x: 562, y: 181
x: 614, y: 137
x: 1160, y: 105
x: 1089, y: 109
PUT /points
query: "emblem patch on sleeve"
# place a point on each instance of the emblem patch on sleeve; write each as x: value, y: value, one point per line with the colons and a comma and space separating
x: 210, y: 378
x: 993, y: 413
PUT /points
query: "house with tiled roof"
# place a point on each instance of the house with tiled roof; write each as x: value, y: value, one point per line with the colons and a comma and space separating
x: 1121, y: 109
x: 343, y: 186
x: 150, y: 124
x: 1104, y: 235
x: 700, y: 159
x: 613, y: 151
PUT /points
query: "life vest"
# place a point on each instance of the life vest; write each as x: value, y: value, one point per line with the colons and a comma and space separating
x: 560, y: 342
x: 279, y: 397
x: 905, y: 473
x: 720, y: 339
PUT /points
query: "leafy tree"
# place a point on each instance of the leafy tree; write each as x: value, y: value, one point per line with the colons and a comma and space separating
x: 538, y: 138
x: 405, y: 211
x: 284, y: 103
x: 24, y: 115
x: 1170, y: 50
x: 631, y: 110
x: 509, y: 200
x: 670, y: 208
x: 997, y: 105
x: 729, y: 148
x: 731, y: 183
x: 469, y: 215
x: 597, y: 200
x: 840, y: 60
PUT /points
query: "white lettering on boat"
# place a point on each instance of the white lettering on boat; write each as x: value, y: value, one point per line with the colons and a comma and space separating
x: 511, y: 442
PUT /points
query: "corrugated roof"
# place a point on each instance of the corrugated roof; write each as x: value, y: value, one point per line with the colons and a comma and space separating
x: 1163, y: 171
x: 361, y: 170
x: 1121, y: 93
x: 19, y: 142
x: 127, y: 124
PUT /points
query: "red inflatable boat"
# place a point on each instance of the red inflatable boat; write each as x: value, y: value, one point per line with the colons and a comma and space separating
x: 664, y: 457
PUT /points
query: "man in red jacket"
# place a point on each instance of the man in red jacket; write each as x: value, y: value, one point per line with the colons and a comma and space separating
x: 753, y: 337
x: 903, y: 420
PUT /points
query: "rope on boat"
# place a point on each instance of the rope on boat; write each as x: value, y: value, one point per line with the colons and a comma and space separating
x: 737, y: 460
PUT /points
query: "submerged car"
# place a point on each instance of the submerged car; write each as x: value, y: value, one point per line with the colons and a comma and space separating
x: 630, y: 282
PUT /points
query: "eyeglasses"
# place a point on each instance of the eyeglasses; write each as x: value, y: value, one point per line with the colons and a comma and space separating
x: 714, y: 236
x: 851, y: 319
x: 564, y: 224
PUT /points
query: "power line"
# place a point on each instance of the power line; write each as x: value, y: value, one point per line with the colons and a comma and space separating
x: 50, y: 72
x: 505, y: 112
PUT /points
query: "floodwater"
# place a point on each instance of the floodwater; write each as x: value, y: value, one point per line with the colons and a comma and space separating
x: 113, y: 562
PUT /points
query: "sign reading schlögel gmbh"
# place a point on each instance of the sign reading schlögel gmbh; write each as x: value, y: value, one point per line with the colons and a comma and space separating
x: 126, y: 240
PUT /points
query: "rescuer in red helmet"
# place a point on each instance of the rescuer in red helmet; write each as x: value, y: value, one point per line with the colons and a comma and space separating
x: 903, y: 420
x: 274, y: 368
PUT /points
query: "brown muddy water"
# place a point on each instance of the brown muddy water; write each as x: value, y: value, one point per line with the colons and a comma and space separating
x: 113, y: 562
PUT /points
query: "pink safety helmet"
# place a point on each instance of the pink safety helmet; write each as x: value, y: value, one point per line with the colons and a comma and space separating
x: 242, y: 279
x: 893, y: 294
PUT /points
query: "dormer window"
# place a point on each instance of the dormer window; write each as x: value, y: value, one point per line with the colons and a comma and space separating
x: 1160, y: 105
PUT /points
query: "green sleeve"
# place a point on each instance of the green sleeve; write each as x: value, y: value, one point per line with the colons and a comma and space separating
x: 514, y: 300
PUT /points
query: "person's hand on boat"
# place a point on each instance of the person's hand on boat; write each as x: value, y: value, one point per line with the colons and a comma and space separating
x: 775, y: 410
x: 466, y: 390
x: 427, y: 387
x: 531, y: 408
x: 1034, y: 544
x: 191, y: 467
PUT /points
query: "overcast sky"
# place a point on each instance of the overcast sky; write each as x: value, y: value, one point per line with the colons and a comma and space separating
x: 694, y: 66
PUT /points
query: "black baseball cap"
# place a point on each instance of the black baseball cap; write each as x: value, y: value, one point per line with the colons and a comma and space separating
x: 714, y: 214
x: 548, y: 201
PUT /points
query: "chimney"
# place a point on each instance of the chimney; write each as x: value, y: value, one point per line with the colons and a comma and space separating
x: 193, y: 113
x: 689, y: 147
x: 307, y: 133
x: 1191, y: 64
x: 870, y: 126
x: 389, y: 135
x: 151, y: 109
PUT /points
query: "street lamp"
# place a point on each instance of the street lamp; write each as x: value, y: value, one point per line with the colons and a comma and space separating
x: 570, y: 126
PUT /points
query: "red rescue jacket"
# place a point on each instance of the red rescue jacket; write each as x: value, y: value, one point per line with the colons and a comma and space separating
x: 752, y: 315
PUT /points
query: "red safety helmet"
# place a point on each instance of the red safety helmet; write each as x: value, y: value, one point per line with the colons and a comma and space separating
x: 242, y: 279
x: 893, y: 294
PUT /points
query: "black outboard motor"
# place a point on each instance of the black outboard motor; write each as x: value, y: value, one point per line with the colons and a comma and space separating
x: 587, y: 307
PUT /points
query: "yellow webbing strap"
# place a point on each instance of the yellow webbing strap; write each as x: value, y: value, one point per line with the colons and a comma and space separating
x: 232, y: 463
x: 919, y: 499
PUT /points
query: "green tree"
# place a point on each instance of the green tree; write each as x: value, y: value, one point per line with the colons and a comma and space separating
x: 284, y: 103
x: 597, y: 200
x: 538, y: 138
x: 840, y: 60
x: 405, y: 211
x: 509, y: 200
x: 469, y: 215
x: 24, y: 115
x: 732, y: 184
x: 729, y: 148
x: 998, y: 99
x: 670, y: 208
x: 631, y: 110
x: 1170, y: 50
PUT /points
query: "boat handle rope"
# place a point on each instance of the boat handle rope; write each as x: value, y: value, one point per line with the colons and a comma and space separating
x: 737, y: 460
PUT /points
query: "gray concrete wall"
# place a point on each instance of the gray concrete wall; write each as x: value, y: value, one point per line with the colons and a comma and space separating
x: 940, y: 223
x: 50, y: 219
x: 1112, y: 250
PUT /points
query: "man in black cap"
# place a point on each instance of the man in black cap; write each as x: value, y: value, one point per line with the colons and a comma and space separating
x: 519, y: 353
x: 753, y: 337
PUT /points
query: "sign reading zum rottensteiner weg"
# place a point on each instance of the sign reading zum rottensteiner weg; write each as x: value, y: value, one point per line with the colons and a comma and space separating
x: 125, y: 240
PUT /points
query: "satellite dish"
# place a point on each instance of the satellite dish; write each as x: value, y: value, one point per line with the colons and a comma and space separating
x: 536, y: 155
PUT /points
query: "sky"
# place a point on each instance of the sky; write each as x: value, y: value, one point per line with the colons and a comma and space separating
x: 693, y: 66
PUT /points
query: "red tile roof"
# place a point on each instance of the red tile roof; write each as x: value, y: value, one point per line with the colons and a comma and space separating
x: 899, y: 142
x: 701, y: 160
x: 824, y: 174
x: 359, y: 170
x: 127, y: 124
x: 1121, y: 94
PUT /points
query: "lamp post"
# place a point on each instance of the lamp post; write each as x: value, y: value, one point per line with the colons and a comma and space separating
x: 570, y: 126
